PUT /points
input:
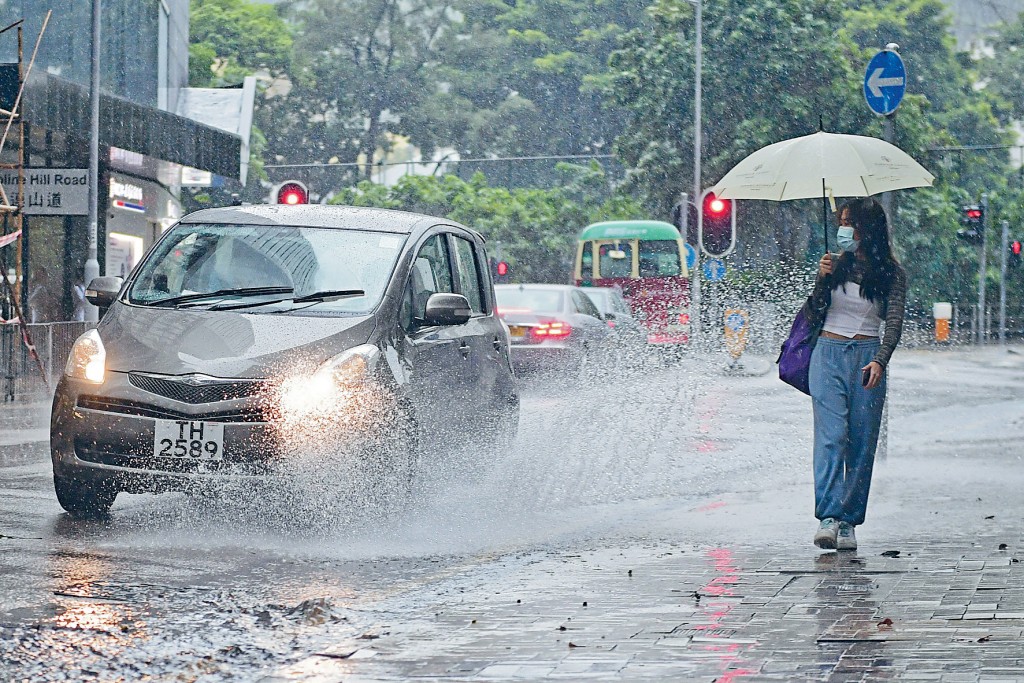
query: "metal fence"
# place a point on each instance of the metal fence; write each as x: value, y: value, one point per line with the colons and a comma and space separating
x: 20, y: 376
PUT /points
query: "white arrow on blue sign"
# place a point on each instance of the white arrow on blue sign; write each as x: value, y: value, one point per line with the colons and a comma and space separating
x: 714, y: 269
x: 885, y: 82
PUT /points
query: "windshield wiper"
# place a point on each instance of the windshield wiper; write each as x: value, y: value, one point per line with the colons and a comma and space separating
x: 237, y: 291
x: 314, y: 298
x: 328, y: 295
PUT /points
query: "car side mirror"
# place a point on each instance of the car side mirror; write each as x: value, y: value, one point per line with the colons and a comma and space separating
x: 447, y: 309
x: 102, y: 291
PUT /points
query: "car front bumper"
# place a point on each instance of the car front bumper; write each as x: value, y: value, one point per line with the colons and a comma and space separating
x: 108, y: 432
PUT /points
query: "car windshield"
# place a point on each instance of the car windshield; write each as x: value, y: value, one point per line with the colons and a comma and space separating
x: 523, y: 300
x: 210, y: 264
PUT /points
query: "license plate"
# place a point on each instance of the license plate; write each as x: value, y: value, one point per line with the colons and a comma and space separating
x: 188, y: 440
x: 517, y: 331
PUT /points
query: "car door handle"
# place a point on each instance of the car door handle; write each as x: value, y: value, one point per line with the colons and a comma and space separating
x: 497, y: 344
x: 464, y: 348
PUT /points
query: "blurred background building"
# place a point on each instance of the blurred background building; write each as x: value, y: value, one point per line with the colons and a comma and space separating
x: 155, y: 135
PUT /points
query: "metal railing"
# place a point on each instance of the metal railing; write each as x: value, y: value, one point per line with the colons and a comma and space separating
x: 20, y: 376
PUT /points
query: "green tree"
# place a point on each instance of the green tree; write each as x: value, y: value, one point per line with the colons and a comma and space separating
x: 360, y: 73
x: 232, y: 39
x: 537, y: 227
x: 523, y: 79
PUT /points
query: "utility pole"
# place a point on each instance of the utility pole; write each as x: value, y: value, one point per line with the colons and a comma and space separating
x: 1002, y: 283
x: 982, y: 267
x: 92, y: 264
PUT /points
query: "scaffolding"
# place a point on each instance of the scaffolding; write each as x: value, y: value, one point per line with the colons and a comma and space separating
x: 14, y: 295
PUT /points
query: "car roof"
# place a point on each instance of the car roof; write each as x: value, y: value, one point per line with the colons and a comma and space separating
x: 560, y: 288
x: 319, y: 216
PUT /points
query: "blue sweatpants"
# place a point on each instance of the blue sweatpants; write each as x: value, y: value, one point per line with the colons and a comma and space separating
x: 847, y: 418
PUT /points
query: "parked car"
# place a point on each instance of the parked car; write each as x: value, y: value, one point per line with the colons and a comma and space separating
x: 246, y: 329
x: 553, y: 327
x: 629, y: 335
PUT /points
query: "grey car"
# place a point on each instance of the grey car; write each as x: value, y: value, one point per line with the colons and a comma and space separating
x: 629, y: 335
x: 249, y: 333
x: 553, y: 327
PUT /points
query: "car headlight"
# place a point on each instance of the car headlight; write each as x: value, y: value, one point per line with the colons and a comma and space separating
x: 88, y: 358
x: 330, y: 383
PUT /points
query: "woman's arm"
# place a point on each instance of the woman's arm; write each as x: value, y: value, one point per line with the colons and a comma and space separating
x: 895, y: 306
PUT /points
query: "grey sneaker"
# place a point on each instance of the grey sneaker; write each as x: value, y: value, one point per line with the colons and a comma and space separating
x: 846, y: 539
x: 825, y: 538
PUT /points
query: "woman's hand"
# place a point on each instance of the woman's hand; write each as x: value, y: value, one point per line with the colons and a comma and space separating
x: 825, y: 265
x: 875, y: 372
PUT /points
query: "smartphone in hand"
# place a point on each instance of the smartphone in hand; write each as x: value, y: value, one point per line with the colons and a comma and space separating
x: 865, y: 377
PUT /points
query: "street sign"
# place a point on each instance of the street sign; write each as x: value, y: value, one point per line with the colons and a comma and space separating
x: 736, y: 323
x: 691, y: 256
x: 885, y: 82
x: 714, y: 270
x: 735, y: 320
x: 50, y: 191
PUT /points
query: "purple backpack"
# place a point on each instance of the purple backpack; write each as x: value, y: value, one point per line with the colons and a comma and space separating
x: 795, y: 359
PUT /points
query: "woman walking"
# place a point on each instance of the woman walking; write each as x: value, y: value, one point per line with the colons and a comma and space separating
x: 854, y: 293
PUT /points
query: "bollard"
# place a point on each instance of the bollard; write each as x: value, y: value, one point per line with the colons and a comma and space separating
x: 942, y: 311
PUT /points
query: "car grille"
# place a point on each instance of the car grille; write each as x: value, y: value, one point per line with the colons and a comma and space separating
x: 126, y: 407
x: 176, y: 388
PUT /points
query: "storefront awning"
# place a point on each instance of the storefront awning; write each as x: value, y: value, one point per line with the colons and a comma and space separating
x: 57, y: 104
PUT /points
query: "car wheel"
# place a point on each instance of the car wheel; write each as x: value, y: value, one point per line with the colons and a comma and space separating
x: 84, y: 499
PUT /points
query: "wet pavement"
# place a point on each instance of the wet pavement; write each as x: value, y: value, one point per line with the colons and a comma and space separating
x: 649, y: 527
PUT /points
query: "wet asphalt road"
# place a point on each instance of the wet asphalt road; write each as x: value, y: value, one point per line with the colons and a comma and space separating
x: 178, y: 588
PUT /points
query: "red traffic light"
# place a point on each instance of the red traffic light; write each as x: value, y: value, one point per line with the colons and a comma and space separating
x: 292, y: 192
x: 714, y: 206
x: 974, y: 214
x: 1015, y: 247
x: 502, y: 268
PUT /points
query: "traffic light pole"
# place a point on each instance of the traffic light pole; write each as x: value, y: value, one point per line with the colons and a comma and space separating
x: 982, y: 267
x: 1002, y: 283
x: 698, y: 67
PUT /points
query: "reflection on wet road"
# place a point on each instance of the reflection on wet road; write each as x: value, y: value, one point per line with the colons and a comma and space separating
x: 204, y: 588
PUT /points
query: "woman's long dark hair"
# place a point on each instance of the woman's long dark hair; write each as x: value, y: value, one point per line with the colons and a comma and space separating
x: 880, y: 265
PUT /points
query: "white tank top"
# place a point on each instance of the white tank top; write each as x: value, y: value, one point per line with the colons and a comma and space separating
x: 850, y: 314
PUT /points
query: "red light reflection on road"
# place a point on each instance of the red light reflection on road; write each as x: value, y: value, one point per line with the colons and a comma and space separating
x: 722, y: 586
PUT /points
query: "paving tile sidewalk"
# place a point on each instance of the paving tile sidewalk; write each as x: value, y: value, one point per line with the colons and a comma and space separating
x: 949, y: 606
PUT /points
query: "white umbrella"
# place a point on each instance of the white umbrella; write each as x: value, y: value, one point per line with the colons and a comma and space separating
x: 825, y: 165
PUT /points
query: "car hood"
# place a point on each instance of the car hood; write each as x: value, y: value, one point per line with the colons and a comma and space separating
x: 224, y: 343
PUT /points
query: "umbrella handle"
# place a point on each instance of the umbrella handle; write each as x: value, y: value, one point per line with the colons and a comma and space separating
x: 824, y: 213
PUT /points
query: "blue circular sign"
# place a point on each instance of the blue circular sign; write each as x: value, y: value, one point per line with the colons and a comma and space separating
x: 885, y: 82
x: 691, y: 256
x: 735, y: 322
x: 714, y: 269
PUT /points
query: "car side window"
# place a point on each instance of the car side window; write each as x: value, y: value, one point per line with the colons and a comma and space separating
x: 430, y: 273
x: 585, y: 305
x: 469, y: 274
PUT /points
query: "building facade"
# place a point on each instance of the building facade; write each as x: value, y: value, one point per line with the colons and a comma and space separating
x: 145, y: 145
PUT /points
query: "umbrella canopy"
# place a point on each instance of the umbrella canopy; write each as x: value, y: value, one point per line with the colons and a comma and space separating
x: 832, y: 164
x: 822, y: 165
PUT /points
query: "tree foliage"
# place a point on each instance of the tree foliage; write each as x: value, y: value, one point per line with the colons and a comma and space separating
x: 537, y: 228
x: 232, y: 39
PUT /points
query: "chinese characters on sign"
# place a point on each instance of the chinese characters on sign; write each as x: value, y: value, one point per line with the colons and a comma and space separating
x: 50, y: 191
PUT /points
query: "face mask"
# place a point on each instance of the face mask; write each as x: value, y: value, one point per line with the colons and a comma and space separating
x: 844, y: 238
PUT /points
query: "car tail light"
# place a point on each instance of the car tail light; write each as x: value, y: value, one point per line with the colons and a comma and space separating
x: 553, y: 330
x: 684, y: 318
